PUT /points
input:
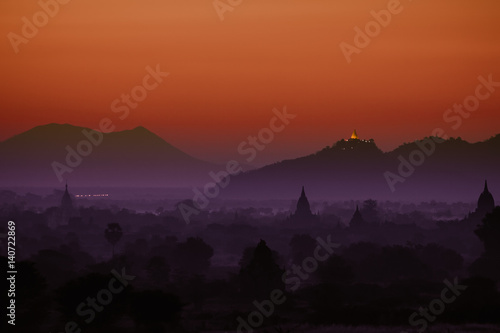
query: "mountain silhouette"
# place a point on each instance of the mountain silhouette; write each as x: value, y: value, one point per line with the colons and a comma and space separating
x: 134, y: 157
x: 452, y: 169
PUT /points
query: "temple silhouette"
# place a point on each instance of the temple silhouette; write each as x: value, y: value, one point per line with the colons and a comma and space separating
x: 485, y: 205
x: 355, y: 143
x: 66, y: 205
x: 357, y: 219
x: 303, y: 211
x: 65, y: 213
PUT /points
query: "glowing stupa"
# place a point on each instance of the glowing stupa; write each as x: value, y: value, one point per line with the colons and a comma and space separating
x: 354, y: 136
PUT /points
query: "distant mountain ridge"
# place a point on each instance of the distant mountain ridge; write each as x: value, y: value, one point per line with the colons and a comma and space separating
x: 354, y: 168
x: 454, y: 170
x: 134, y: 157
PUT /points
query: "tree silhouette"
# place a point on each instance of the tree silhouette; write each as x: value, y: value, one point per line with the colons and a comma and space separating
x: 155, y: 310
x: 262, y: 274
x: 192, y: 256
x: 57, y: 267
x: 31, y: 297
x: 158, y: 270
x: 73, y: 293
x: 302, y: 246
x: 489, y: 232
x: 369, y: 211
x: 335, y: 270
x: 113, y: 234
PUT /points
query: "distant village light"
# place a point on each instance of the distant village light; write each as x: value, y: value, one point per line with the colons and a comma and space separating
x: 91, y: 195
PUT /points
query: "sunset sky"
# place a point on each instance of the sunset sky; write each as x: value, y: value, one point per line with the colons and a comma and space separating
x: 227, y: 76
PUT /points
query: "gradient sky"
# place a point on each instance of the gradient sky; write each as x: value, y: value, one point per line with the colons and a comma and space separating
x: 227, y: 76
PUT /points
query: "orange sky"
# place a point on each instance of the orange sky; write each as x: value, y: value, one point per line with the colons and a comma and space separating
x: 227, y: 76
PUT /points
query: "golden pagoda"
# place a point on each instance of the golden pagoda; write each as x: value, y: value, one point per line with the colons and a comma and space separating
x: 354, y: 136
